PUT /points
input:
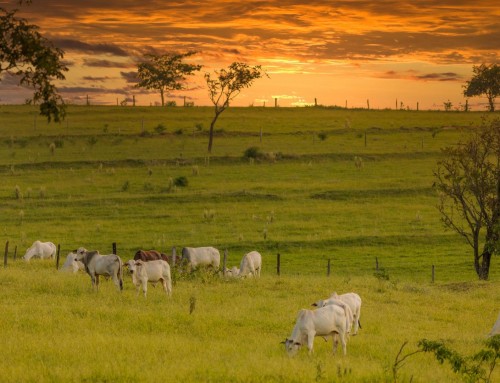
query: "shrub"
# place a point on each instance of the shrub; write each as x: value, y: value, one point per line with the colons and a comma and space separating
x: 160, y: 129
x: 181, y: 181
x: 91, y: 141
x: 253, y: 152
x: 322, y: 136
x: 125, y: 186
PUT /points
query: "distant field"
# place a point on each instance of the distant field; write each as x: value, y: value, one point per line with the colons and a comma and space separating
x: 350, y: 186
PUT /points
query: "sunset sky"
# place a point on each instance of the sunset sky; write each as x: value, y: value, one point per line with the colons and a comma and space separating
x: 339, y: 52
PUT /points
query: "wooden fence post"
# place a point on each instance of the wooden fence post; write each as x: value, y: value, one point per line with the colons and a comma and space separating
x: 365, y: 139
x: 15, y: 253
x: 278, y: 264
x: 433, y: 273
x: 5, y: 255
x: 328, y: 267
x: 174, y: 256
x: 57, y: 256
x: 224, y: 263
x: 114, y: 248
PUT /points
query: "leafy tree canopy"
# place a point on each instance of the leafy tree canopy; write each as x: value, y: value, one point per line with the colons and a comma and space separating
x: 486, y: 81
x: 165, y: 72
x: 25, y: 53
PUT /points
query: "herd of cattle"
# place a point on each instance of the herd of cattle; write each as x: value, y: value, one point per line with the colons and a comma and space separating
x: 337, y: 316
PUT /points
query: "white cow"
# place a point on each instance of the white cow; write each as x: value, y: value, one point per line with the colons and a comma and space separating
x: 201, y: 256
x: 151, y: 271
x: 97, y: 264
x: 345, y: 306
x: 353, y: 300
x: 326, y: 321
x: 496, y: 327
x: 71, y: 264
x: 233, y: 272
x: 40, y: 250
x: 251, y: 264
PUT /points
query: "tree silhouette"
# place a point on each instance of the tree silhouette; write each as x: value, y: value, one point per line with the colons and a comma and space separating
x: 165, y: 72
x: 225, y: 85
x: 26, y: 54
x: 486, y: 81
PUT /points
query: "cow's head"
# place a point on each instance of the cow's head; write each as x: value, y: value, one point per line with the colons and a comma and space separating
x: 80, y: 253
x: 130, y: 264
x: 291, y: 346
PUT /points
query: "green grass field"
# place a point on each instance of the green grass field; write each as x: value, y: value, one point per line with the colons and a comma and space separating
x: 107, y: 174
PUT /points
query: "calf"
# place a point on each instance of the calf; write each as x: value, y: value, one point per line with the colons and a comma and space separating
x: 152, y: 271
x: 72, y: 264
x: 326, y: 321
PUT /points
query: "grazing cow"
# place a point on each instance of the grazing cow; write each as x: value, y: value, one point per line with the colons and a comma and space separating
x: 40, y: 250
x: 97, y: 264
x: 345, y: 306
x: 496, y: 327
x: 353, y: 300
x: 152, y: 271
x: 149, y: 255
x: 326, y: 321
x: 201, y: 256
x: 72, y: 264
x: 251, y: 264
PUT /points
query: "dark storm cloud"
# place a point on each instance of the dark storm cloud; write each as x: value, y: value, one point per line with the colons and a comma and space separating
x: 79, y: 46
x: 93, y: 90
x: 130, y: 77
x: 416, y: 75
x: 105, y: 63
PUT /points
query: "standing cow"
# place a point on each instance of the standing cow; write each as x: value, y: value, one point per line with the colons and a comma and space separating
x: 194, y: 257
x: 40, y: 250
x: 152, y: 271
x: 97, y: 264
x: 251, y: 264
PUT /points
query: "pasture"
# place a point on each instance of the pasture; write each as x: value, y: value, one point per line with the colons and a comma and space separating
x: 349, y: 186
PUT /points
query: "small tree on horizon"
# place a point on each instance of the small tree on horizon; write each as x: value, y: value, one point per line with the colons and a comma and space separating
x: 225, y: 85
x: 468, y: 182
x: 165, y: 72
x: 486, y: 81
x: 27, y: 55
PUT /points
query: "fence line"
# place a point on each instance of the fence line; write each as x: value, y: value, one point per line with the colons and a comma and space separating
x: 224, y: 264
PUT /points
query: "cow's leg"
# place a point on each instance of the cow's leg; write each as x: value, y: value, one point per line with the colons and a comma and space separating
x: 310, y: 343
x: 343, y: 341
x: 335, y: 341
x: 164, y: 284
x: 138, y: 288
x: 97, y: 282
x: 168, y: 282
x: 145, y: 287
x: 116, y: 281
